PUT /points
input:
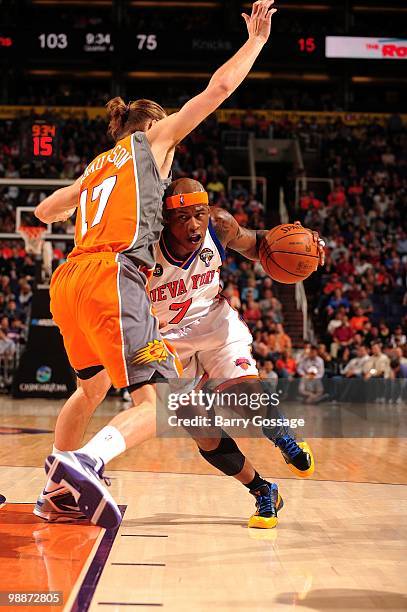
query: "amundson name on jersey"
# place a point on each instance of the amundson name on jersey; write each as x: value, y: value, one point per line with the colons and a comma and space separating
x: 178, y: 287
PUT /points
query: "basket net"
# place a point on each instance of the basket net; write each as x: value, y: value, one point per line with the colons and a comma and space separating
x: 33, y: 238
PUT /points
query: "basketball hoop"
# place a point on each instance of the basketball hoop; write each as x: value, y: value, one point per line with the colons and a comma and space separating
x: 33, y: 238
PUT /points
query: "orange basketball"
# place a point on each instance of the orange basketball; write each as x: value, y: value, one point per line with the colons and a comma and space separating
x: 289, y: 253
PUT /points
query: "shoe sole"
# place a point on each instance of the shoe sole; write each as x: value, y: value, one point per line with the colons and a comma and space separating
x: 60, y: 517
x: 92, y: 498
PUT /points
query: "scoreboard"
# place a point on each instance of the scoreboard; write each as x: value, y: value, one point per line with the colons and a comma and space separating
x: 73, y: 45
x: 148, y: 48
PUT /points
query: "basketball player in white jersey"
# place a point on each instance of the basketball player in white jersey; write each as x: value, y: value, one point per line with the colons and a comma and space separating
x: 210, y: 338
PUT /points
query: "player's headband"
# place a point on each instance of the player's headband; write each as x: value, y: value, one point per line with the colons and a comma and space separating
x: 186, y: 199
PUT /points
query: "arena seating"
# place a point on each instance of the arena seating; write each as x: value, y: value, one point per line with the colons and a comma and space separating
x: 359, y: 297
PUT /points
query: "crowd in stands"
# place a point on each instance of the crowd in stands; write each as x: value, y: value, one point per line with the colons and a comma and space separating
x: 359, y: 298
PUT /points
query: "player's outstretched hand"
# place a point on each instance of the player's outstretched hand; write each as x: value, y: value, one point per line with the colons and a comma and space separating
x: 321, y: 244
x: 259, y: 22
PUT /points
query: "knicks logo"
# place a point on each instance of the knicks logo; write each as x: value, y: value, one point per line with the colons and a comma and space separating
x: 243, y: 363
x: 206, y: 255
x: 153, y: 351
x: 158, y: 270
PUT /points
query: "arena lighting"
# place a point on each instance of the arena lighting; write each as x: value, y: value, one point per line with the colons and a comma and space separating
x: 95, y: 74
x: 254, y: 76
x: 174, y: 4
x: 72, y: 2
x: 361, y: 80
x: 379, y: 9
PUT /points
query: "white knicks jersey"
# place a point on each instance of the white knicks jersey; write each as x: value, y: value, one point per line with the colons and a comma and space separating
x: 184, y: 291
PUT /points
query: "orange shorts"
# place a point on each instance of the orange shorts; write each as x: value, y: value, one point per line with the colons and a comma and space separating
x: 100, y: 304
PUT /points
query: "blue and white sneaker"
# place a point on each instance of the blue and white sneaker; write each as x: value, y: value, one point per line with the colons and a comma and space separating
x: 2, y: 501
x: 58, y: 506
x: 81, y: 475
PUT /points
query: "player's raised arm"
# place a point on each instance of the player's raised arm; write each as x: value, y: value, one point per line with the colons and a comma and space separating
x: 169, y: 131
x: 60, y: 205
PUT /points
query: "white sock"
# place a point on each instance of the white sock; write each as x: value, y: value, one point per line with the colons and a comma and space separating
x: 105, y: 445
x: 51, y: 486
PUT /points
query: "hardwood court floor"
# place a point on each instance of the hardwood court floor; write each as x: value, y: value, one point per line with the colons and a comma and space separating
x: 184, y: 545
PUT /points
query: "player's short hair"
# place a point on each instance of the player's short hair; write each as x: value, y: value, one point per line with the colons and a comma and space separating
x: 124, y: 119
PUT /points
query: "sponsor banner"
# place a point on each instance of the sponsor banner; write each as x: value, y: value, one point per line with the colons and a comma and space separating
x: 44, y: 369
x: 354, y: 47
x: 305, y: 408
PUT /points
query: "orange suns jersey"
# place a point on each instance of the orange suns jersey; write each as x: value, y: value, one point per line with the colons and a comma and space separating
x: 120, y: 202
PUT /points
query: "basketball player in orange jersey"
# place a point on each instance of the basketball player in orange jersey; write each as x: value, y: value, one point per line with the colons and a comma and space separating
x: 98, y: 297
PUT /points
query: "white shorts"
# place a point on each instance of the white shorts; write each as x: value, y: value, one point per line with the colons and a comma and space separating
x: 218, y: 345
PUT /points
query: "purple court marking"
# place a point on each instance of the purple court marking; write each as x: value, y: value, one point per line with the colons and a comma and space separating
x: 89, y: 584
x: 14, y: 431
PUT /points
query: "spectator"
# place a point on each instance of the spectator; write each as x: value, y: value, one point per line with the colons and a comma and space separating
x: 312, y: 360
x: 251, y: 312
x: 342, y: 336
x: 311, y: 389
x: 286, y: 365
x: 7, y: 346
x: 397, y: 337
x: 355, y: 367
x: 378, y: 364
x: 358, y: 320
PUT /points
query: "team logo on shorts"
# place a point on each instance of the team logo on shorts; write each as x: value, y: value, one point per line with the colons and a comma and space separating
x: 158, y: 270
x: 243, y: 363
x: 206, y: 256
x: 153, y: 351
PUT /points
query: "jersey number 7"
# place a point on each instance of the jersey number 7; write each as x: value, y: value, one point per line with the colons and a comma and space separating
x: 183, y: 308
x: 101, y: 192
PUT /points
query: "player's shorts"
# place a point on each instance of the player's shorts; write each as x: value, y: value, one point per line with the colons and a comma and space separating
x: 217, y: 346
x: 100, y: 304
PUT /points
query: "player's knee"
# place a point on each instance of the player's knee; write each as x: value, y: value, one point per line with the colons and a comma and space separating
x: 227, y: 457
x: 95, y: 393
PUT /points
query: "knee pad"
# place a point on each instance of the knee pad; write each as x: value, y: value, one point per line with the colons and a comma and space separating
x: 227, y: 457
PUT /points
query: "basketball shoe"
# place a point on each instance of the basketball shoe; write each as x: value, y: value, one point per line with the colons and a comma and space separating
x: 58, y: 506
x: 2, y: 501
x: 268, y: 503
x: 81, y: 475
x: 297, y: 455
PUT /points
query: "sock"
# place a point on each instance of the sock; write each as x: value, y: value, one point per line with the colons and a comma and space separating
x: 105, y: 445
x: 51, y: 486
x: 257, y: 482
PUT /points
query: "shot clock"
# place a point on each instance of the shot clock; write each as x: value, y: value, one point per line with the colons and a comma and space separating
x: 40, y: 140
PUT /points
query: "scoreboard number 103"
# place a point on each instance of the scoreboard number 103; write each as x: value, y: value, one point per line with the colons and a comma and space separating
x: 53, y: 41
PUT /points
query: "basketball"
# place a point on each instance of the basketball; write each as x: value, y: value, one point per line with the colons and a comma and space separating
x: 289, y: 253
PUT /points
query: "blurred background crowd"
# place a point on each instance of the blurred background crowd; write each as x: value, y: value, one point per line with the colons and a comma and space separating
x: 357, y: 301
